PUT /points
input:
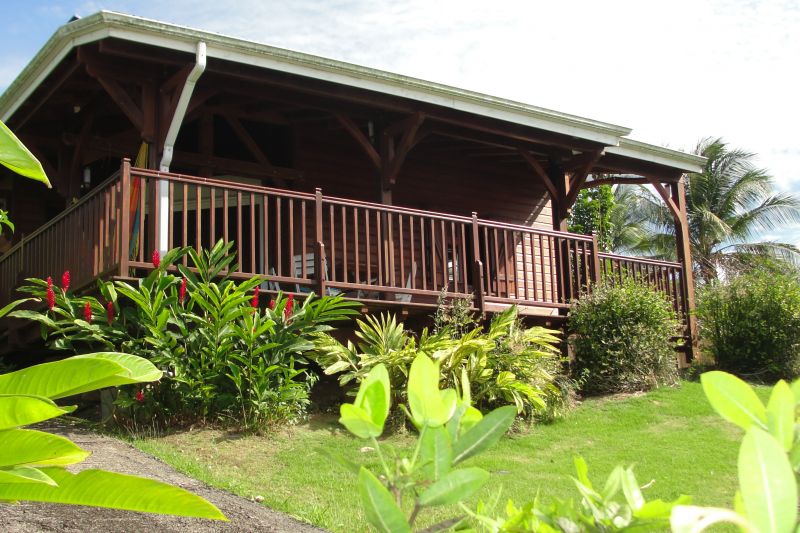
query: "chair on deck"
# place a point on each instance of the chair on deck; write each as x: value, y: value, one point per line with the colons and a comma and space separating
x: 297, y: 261
x: 406, y: 298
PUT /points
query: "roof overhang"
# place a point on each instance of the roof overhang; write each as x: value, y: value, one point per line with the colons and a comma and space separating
x: 107, y: 24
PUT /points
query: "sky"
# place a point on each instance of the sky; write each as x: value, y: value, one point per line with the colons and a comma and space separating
x: 674, y: 71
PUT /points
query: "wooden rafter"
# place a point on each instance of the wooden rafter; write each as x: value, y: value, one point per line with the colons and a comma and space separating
x: 579, y: 178
x: 614, y: 181
x: 666, y: 196
x: 540, y: 172
x: 408, y: 129
x: 54, y: 87
x: 355, y: 132
x: 253, y: 147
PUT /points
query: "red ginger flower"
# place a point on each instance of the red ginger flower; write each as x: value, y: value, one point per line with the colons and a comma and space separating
x: 87, y: 312
x: 51, y: 296
x: 156, y: 259
x: 65, y: 280
x: 139, y: 395
x: 110, y: 312
x: 254, y: 302
x: 272, y: 304
x: 287, y: 311
x: 182, y: 291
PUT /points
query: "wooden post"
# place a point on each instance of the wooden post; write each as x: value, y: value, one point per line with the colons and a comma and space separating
x: 685, y: 258
x: 319, y: 246
x: 477, y: 267
x: 595, y: 260
x: 125, y: 218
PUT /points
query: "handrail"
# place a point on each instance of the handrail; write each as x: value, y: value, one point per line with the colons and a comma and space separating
x: 66, y: 212
x: 656, y: 262
x: 529, y: 229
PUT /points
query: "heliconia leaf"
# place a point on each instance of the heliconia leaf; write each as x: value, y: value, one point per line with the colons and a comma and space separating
x: 454, y: 487
x: 99, y: 488
x: 484, y: 434
x: 10, y: 307
x: 15, y: 156
x: 767, y: 483
x: 78, y: 374
x: 21, y: 410
x: 734, y: 400
x: 780, y: 414
x: 436, y: 452
x: 381, y: 511
x: 36, y: 448
x: 24, y: 474
x: 358, y: 422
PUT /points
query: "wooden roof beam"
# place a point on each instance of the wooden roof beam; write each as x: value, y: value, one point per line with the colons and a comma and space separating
x: 540, y: 172
x: 355, y: 132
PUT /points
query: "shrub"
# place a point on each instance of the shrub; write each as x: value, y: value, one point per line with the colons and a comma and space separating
x: 622, y: 338
x: 507, y: 364
x: 751, y: 324
x: 226, y: 354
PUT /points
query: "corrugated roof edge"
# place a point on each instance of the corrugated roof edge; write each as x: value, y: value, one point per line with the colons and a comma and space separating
x: 105, y: 24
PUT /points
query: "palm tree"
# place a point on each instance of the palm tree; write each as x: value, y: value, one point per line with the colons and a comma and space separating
x: 729, y: 204
x: 628, y: 221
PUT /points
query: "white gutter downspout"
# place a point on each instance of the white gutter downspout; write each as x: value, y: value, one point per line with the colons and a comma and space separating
x: 169, y: 142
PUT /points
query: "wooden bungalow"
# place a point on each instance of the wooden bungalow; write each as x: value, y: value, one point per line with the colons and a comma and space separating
x: 327, y: 176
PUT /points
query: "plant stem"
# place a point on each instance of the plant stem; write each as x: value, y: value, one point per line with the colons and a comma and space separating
x: 383, y: 461
x: 418, y: 447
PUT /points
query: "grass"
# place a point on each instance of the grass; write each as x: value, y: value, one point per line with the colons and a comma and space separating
x: 671, y: 436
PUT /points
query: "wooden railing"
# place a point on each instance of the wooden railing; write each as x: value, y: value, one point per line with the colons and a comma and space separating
x: 83, y: 239
x: 302, y: 242
x: 665, y: 277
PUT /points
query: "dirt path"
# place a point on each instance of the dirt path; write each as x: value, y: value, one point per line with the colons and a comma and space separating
x: 111, y: 454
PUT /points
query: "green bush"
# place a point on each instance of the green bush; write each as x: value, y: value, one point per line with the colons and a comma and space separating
x: 622, y: 339
x: 750, y: 324
x: 507, y: 364
x: 226, y: 355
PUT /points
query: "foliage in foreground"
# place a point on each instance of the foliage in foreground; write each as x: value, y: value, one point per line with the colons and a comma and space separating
x: 32, y: 462
x: 507, y: 364
x: 450, y: 432
x: 225, y: 354
x: 622, y: 338
x: 751, y: 324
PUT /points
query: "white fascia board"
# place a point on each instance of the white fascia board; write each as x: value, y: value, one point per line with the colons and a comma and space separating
x: 659, y: 155
x: 108, y: 24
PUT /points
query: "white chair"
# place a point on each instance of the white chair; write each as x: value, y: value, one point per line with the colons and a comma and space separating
x: 297, y: 260
x: 406, y: 298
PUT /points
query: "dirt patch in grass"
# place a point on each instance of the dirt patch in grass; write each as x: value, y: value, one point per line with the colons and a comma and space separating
x: 111, y: 454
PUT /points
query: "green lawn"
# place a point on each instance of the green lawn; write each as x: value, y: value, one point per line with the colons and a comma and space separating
x: 672, y: 437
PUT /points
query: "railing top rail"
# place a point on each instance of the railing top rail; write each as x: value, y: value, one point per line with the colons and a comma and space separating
x: 529, y: 229
x: 223, y: 184
x: 394, y: 209
x: 657, y: 262
x: 56, y: 219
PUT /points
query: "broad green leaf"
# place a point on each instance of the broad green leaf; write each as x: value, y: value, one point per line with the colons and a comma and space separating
x: 379, y: 507
x: 10, y: 307
x: 767, y: 483
x: 659, y: 509
x: 37, y: 448
x: 109, y: 489
x: 454, y: 487
x: 358, y: 422
x: 21, y: 410
x: 470, y: 417
x: 734, y: 400
x: 374, y: 395
x: 582, y: 471
x: 436, y: 452
x: 688, y: 518
x: 780, y: 414
x: 78, y: 374
x: 24, y: 474
x: 630, y: 487
x: 484, y: 434
x: 424, y: 399
x: 15, y: 156
x: 613, y: 482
